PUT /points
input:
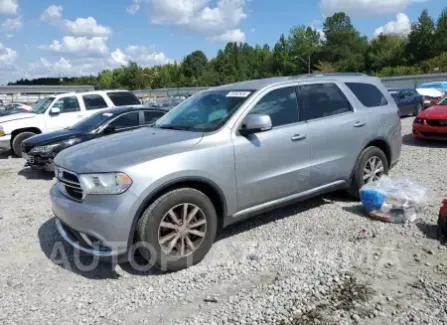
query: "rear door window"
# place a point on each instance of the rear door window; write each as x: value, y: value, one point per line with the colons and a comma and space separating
x: 127, y: 120
x: 151, y: 116
x: 94, y: 102
x: 368, y: 94
x: 123, y: 98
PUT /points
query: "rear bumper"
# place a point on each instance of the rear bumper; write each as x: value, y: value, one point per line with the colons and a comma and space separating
x: 428, y: 132
x: 5, y: 142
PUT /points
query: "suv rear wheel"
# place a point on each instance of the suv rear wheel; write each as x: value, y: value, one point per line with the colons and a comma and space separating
x: 371, y: 165
x: 178, y: 229
x: 17, y: 142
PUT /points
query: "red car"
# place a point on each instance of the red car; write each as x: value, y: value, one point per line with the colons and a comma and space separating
x: 431, y: 124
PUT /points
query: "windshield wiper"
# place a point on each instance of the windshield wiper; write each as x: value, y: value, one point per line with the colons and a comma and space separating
x: 174, y: 127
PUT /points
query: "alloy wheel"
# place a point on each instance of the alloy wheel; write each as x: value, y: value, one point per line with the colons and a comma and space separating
x: 182, y: 230
x: 373, y: 170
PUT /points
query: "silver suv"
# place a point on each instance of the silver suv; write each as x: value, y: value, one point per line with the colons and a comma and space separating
x: 224, y: 154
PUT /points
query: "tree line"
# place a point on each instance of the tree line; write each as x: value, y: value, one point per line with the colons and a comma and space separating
x: 338, y: 48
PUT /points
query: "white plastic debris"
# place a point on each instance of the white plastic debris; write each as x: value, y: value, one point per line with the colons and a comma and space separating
x: 397, y: 200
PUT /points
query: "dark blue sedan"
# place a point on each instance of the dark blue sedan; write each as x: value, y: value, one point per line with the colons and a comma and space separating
x: 408, y: 100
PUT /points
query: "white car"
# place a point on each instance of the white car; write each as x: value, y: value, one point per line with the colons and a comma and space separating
x: 58, y: 112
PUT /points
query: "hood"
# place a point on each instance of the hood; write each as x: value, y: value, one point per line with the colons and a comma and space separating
x: 121, y: 150
x: 51, y: 137
x: 438, y: 112
x: 430, y: 92
x: 16, y: 116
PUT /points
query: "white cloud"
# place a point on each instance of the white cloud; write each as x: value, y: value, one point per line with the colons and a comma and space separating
x: 75, y: 67
x: 79, y: 27
x: 118, y: 57
x: 52, y: 14
x: 86, y: 27
x: 400, y: 26
x: 366, y: 7
x: 8, y: 7
x: 234, y: 35
x: 197, y: 16
x: 7, y: 55
x: 134, y: 7
x: 79, y: 46
x: 12, y: 24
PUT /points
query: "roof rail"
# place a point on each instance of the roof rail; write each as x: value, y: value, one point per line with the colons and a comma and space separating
x: 332, y: 74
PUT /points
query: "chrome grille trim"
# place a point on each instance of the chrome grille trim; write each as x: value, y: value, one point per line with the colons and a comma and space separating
x: 69, y: 187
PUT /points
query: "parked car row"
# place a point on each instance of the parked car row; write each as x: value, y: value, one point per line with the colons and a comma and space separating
x: 220, y: 156
x: 57, y: 112
x: 167, y: 183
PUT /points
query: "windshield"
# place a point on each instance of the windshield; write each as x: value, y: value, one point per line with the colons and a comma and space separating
x: 92, y: 122
x: 41, y: 106
x: 204, y: 112
x: 443, y: 101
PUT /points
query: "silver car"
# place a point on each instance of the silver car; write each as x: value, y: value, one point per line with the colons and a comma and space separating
x: 224, y: 154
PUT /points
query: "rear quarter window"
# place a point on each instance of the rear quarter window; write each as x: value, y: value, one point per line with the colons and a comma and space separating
x: 368, y: 94
x: 123, y: 98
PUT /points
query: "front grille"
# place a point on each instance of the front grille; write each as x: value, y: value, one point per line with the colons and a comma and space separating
x: 70, y: 183
x: 434, y: 135
x: 441, y: 123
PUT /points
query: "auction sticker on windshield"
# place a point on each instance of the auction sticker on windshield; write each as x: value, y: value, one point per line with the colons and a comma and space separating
x: 242, y: 94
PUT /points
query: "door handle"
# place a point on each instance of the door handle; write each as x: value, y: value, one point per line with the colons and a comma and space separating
x: 359, y: 124
x: 298, y: 137
x: 79, y: 116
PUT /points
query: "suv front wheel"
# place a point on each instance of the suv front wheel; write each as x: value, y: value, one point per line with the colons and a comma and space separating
x: 371, y: 165
x: 178, y: 229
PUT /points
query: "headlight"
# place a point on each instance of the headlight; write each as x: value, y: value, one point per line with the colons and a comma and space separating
x: 45, y: 149
x: 49, y: 148
x: 2, y: 132
x: 418, y: 121
x: 108, y: 183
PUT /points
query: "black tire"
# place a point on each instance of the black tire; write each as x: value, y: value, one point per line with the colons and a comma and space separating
x: 17, y: 142
x: 148, y: 229
x: 357, y: 174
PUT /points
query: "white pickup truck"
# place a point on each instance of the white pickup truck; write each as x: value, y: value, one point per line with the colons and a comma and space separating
x: 58, y: 112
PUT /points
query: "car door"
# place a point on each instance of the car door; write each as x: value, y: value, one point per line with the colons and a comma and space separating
x: 70, y: 113
x: 273, y: 164
x: 336, y: 132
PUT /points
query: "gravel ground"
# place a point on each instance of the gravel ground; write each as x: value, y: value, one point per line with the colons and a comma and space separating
x: 318, y: 262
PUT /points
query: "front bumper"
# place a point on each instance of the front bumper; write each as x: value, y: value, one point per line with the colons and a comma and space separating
x: 428, y: 132
x: 104, y: 220
x: 36, y: 160
x: 5, y: 142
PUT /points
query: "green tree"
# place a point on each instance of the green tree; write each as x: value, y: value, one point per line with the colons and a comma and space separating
x: 441, y: 33
x: 194, y: 64
x: 385, y: 51
x: 421, y: 40
x: 282, y: 58
x: 344, y: 46
x: 105, y: 79
x: 304, y: 43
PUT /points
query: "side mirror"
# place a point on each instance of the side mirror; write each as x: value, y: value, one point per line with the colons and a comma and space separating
x: 254, y: 123
x: 55, y: 111
x: 109, y: 129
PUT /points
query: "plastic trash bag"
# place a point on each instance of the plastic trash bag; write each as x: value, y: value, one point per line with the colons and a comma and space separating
x: 397, y: 200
